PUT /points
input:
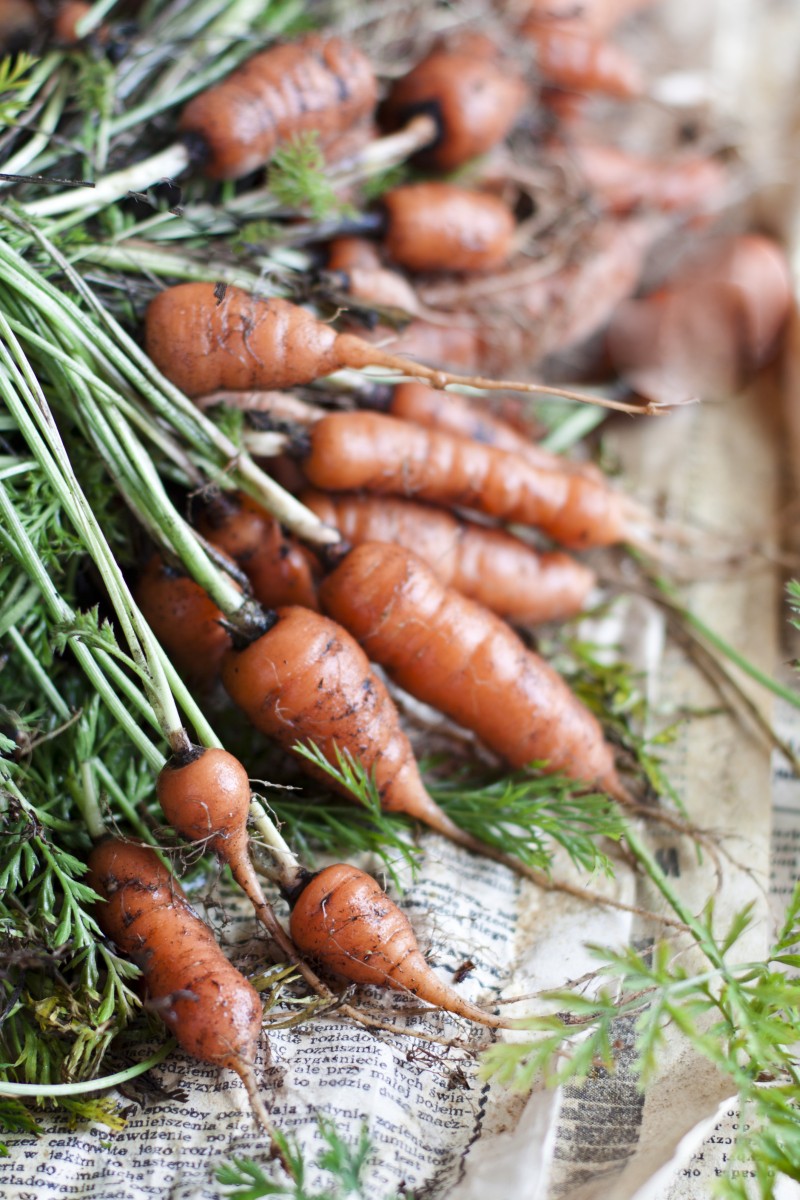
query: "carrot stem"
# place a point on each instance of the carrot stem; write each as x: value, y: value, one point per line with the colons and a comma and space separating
x: 44, y: 1091
x: 167, y: 164
x: 19, y: 544
x: 289, y: 869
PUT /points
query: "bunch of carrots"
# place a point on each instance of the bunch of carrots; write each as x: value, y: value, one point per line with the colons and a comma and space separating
x: 433, y: 525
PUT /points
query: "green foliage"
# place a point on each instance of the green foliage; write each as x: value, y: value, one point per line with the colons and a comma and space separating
x: 525, y: 814
x: 343, y: 1161
x: 298, y: 179
x: 741, y: 1018
x: 14, y: 70
x: 613, y: 691
x: 345, y: 828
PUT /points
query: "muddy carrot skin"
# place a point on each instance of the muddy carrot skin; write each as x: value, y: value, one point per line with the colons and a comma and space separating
x: 622, y: 182
x: 441, y: 227
x: 344, y: 920
x: 350, y: 451
x: 706, y: 331
x: 18, y: 24
x: 307, y: 680
x: 210, y: 1007
x: 206, y: 342
x: 459, y: 415
x: 474, y: 98
x: 460, y: 658
x: 572, y: 59
x: 319, y: 84
x: 506, y: 575
x: 185, y: 621
x: 279, y: 569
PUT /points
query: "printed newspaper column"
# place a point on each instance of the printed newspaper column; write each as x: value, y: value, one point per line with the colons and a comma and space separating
x: 714, y: 466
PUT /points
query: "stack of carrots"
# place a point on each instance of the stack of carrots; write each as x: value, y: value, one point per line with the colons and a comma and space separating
x: 421, y: 573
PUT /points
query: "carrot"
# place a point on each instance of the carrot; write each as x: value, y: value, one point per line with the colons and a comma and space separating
x: 756, y: 266
x: 203, y: 344
x: 68, y: 14
x: 622, y: 182
x: 345, y: 920
x: 319, y: 84
x: 459, y: 347
x: 279, y: 569
x: 350, y: 451
x: 18, y: 24
x: 306, y: 679
x: 366, y: 278
x: 205, y: 795
x: 452, y: 653
x: 706, y: 331
x: 185, y: 621
x: 353, y: 253
x: 527, y: 321
x: 213, y: 1011
x: 573, y: 59
x: 441, y: 227
x: 474, y: 99
x: 467, y: 418
x: 497, y: 570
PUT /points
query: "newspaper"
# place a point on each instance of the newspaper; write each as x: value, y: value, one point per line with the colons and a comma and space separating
x: 437, y: 1127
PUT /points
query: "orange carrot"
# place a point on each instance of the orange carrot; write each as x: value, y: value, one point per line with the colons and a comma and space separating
x: 441, y: 227
x: 213, y: 1011
x: 474, y: 98
x: 707, y: 330
x: 205, y: 795
x: 18, y: 24
x: 468, y: 418
x: 622, y: 182
x: 279, y: 569
x: 548, y: 315
x: 578, y: 61
x: 203, y: 344
x: 68, y: 14
x: 454, y: 654
x: 349, y: 451
x: 497, y: 570
x: 345, y: 920
x: 185, y: 621
x: 319, y: 84
x: 347, y: 253
x: 307, y: 680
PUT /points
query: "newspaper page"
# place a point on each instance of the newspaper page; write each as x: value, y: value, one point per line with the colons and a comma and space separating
x: 438, y: 1129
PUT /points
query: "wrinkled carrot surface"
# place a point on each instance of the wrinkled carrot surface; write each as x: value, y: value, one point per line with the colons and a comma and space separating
x: 440, y: 227
x: 210, y: 1007
x: 319, y: 84
x: 499, y: 571
x: 452, y: 653
x: 380, y: 454
x: 474, y: 98
x: 345, y: 921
